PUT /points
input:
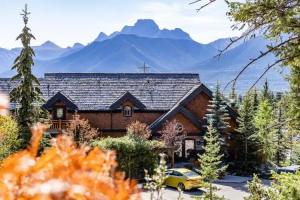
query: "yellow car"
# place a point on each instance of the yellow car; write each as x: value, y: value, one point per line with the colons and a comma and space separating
x: 182, y: 178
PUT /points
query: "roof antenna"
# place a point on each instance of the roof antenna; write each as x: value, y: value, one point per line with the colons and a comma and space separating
x: 145, y: 68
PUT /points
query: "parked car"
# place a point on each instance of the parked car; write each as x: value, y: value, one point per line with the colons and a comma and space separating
x: 266, y: 172
x: 183, y: 178
x: 289, y: 169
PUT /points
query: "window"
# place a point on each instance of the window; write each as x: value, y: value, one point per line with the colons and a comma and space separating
x: 175, y: 173
x: 127, y: 111
x: 169, y: 172
x: 59, y: 113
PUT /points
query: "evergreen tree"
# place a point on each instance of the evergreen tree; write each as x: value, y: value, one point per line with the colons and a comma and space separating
x: 256, y: 189
x: 264, y: 121
x: 255, y: 100
x: 246, y: 129
x: 280, y: 128
x: 280, y: 22
x: 267, y: 94
x: 240, y: 99
x: 27, y: 93
x: 233, y: 98
x: 292, y: 128
x: 210, y: 160
x: 217, y: 113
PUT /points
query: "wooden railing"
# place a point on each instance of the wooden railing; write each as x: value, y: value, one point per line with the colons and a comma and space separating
x: 59, y: 124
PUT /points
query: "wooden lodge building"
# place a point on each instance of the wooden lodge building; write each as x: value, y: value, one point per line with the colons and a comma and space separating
x: 111, y: 101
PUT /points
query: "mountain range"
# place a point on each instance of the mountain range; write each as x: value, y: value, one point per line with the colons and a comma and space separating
x: 162, y: 50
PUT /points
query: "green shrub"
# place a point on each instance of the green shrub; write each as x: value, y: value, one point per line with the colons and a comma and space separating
x: 284, y: 186
x: 134, y: 154
x: 9, y: 137
x: 295, y: 158
x: 44, y: 143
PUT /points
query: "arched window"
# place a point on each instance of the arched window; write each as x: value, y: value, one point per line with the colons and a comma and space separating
x: 127, y: 111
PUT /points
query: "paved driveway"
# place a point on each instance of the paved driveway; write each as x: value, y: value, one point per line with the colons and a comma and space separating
x: 231, y: 187
x: 231, y: 191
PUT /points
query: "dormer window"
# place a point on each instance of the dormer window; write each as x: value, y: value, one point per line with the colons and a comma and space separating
x: 127, y: 111
x: 59, y: 113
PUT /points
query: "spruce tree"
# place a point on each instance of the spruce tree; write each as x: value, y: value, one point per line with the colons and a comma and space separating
x: 233, y: 98
x: 280, y: 132
x: 266, y: 93
x: 210, y: 161
x: 217, y: 112
x: 246, y: 129
x: 264, y: 121
x: 255, y: 100
x: 26, y: 94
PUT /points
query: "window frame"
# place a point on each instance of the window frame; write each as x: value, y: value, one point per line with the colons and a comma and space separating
x: 127, y: 111
x: 55, y: 117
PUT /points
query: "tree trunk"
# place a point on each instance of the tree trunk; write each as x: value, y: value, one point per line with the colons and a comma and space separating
x: 173, y: 159
x: 246, y: 153
x: 210, y: 191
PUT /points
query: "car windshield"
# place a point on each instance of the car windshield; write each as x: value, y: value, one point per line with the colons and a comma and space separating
x: 190, y: 174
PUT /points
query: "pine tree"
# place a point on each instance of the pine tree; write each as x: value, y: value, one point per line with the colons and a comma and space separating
x: 246, y: 129
x: 264, y: 121
x: 27, y: 93
x: 233, y: 98
x: 255, y: 100
x: 266, y: 93
x: 256, y: 189
x: 217, y: 113
x: 210, y: 161
x: 281, y: 136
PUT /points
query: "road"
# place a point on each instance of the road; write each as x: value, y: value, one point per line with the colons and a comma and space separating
x: 231, y: 191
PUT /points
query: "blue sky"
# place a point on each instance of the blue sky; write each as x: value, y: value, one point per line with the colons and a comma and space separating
x: 68, y: 21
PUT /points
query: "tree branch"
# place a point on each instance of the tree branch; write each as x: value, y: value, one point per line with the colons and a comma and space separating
x: 263, y: 54
x: 204, y: 5
x: 269, y: 67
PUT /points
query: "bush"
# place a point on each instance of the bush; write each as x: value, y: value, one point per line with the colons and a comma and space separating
x: 134, y: 154
x: 9, y: 137
x: 63, y: 171
x: 45, y: 142
x: 295, y: 158
x: 139, y: 129
x: 80, y: 130
x: 284, y: 186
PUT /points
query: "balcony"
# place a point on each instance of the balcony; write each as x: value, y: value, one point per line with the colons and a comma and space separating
x: 58, y: 125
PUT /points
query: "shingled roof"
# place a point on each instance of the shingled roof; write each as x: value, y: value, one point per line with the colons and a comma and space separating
x: 98, y: 91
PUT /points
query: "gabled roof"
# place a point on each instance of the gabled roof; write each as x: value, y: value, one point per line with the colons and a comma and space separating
x: 59, y: 96
x: 98, y: 91
x: 179, y: 107
x: 127, y: 96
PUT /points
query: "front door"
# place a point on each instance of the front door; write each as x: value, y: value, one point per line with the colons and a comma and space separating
x: 188, y: 146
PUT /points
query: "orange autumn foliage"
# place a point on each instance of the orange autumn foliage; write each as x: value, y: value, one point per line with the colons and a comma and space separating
x: 63, y: 172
